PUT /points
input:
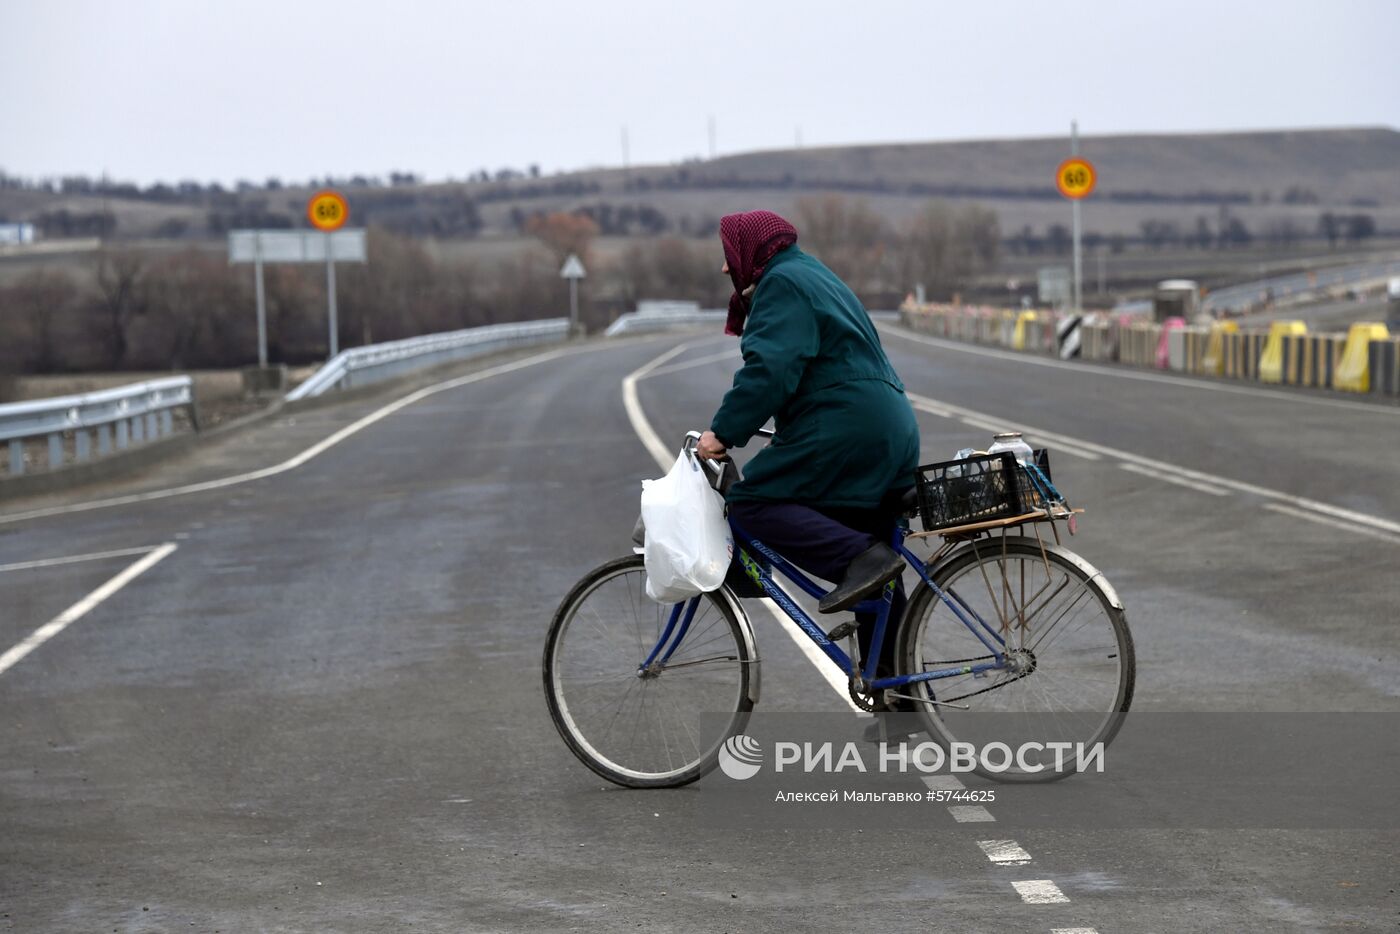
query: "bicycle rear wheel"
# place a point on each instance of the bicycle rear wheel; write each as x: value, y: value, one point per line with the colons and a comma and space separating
x: 1070, y: 666
x: 661, y: 726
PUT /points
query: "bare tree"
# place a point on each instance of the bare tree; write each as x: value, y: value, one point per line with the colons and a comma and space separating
x: 121, y: 297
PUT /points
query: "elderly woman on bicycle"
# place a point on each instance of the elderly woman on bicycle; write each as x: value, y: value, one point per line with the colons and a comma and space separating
x: 846, y: 442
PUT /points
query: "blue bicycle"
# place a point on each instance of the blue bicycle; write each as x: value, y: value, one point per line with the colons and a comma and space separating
x: 1007, y: 638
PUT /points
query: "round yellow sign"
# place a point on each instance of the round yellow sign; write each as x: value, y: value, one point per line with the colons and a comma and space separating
x: 327, y: 210
x: 1076, y: 178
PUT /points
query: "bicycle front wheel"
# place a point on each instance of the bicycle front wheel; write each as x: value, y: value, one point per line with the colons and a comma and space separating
x: 1068, y: 664
x: 638, y: 725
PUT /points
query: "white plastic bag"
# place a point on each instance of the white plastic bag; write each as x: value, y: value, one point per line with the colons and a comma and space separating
x: 688, y: 542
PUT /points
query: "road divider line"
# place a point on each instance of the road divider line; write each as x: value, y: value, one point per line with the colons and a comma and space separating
x: 1004, y: 852
x: 1359, y: 518
x: 1040, y: 892
x: 1179, y: 481
x: 971, y: 814
x: 1323, y: 520
x: 84, y: 606
x: 1098, y: 369
x: 74, y: 559
x: 664, y: 458
x: 315, y: 450
x: 1073, y: 931
x: 943, y: 783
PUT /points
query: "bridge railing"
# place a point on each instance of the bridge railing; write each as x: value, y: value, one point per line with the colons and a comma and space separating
x: 361, y: 366
x: 119, y: 418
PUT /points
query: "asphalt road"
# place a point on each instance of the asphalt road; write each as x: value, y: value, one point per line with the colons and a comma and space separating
x: 321, y: 711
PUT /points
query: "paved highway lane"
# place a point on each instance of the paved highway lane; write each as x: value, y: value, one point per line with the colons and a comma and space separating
x: 321, y: 711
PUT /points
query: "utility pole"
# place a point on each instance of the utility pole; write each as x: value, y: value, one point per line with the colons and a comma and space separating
x: 1078, y: 254
x: 711, y: 127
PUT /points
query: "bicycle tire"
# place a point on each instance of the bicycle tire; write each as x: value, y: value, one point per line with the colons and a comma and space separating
x: 1020, y: 704
x: 716, y: 629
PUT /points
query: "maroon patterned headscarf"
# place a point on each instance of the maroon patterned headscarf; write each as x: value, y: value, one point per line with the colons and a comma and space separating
x: 750, y: 240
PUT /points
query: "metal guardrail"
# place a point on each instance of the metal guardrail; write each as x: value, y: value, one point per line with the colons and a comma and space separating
x: 121, y: 417
x: 361, y: 366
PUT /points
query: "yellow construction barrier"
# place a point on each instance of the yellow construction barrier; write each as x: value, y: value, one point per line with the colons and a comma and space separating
x: 1271, y: 360
x: 1213, y: 363
x: 1354, y: 372
x: 1018, y: 336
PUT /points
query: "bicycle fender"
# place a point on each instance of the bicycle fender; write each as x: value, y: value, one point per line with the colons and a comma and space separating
x: 746, y: 628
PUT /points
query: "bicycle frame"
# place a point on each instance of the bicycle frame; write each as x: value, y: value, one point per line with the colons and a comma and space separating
x: 682, y: 614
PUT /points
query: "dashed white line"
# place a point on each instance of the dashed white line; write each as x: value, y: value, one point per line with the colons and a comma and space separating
x: 74, y: 559
x: 1348, y: 515
x: 1179, y: 481
x: 1073, y: 931
x: 1332, y: 523
x: 84, y: 606
x: 971, y: 814
x: 1004, y: 852
x: 1040, y: 892
x: 943, y: 783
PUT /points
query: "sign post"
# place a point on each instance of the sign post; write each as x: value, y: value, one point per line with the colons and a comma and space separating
x: 573, y: 271
x: 1076, y: 178
x: 328, y: 212
x: 294, y: 246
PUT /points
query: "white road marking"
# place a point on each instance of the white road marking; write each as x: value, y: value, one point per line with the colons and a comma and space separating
x: 664, y: 457
x: 971, y: 814
x: 316, y: 449
x: 1183, y: 382
x: 1323, y: 520
x: 1004, y: 852
x: 700, y: 361
x: 1073, y: 931
x: 1168, y: 478
x: 74, y: 559
x: 943, y: 783
x: 1040, y: 892
x: 84, y: 606
x: 1358, y: 518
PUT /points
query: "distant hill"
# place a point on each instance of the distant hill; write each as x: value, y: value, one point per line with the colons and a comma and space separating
x: 1272, y: 180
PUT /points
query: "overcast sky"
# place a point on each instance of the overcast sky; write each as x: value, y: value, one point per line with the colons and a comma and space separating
x: 149, y: 90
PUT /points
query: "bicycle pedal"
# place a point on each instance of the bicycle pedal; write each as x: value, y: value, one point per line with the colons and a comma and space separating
x: 843, y: 631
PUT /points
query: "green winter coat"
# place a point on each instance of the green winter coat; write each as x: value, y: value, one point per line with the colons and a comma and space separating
x: 812, y: 361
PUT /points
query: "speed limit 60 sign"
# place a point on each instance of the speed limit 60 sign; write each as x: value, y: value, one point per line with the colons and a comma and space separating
x: 327, y: 210
x: 1075, y: 178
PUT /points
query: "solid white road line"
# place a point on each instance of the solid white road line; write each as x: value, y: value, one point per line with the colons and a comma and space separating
x: 971, y: 814
x: 1168, y: 478
x: 84, y: 606
x: 1332, y: 523
x: 1040, y: 892
x: 73, y: 559
x: 1183, y: 382
x: 924, y: 403
x: 1004, y: 852
x: 316, y: 449
x: 1073, y: 931
x: 664, y: 457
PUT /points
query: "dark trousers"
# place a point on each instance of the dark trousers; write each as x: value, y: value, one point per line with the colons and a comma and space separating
x: 824, y: 542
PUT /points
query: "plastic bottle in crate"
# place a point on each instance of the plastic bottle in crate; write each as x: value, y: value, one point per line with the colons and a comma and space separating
x: 1012, y: 441
x: 962, y: 455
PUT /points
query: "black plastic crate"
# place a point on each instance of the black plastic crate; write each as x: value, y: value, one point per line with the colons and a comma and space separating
x: 980, y: 488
